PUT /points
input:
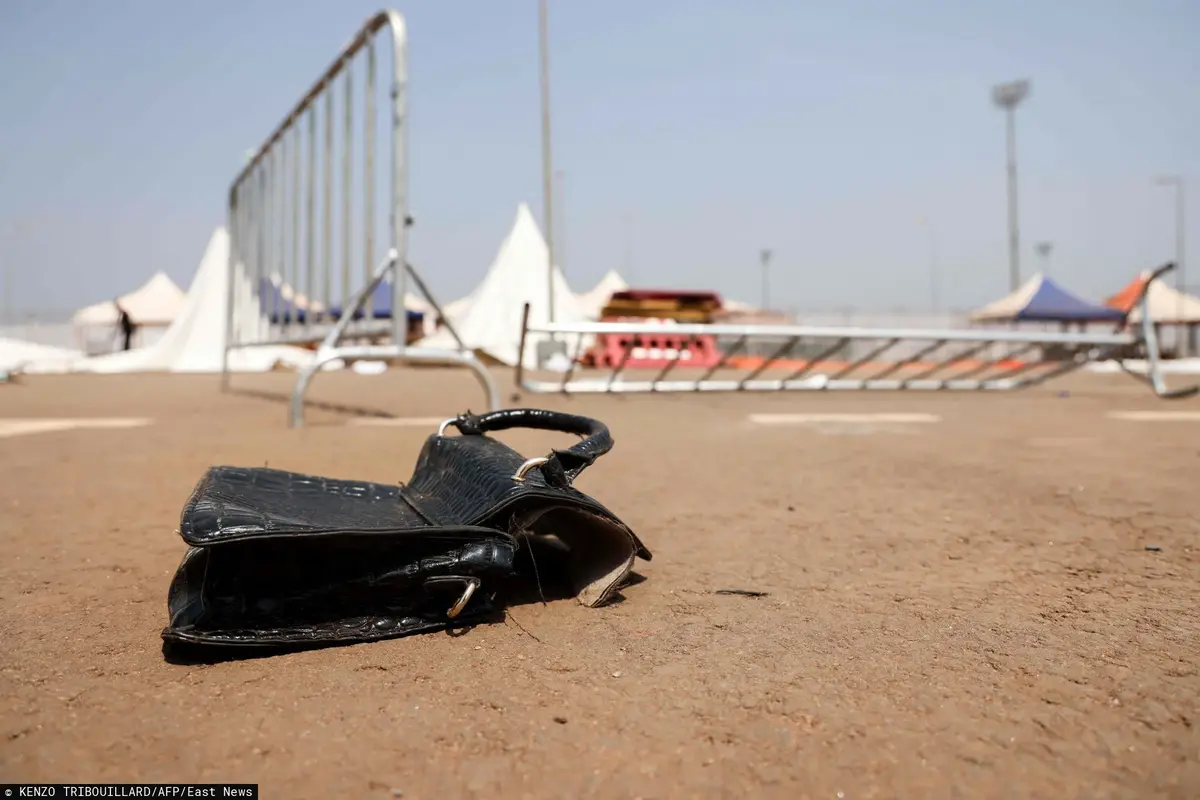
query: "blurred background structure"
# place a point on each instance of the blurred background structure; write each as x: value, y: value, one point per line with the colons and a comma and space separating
x: 682, y: 165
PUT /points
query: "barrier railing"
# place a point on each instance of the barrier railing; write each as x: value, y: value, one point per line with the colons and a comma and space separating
x: 801, y: 358
x: 305, y: 264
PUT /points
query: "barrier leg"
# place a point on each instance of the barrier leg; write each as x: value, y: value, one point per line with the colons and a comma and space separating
x: 323, y: 357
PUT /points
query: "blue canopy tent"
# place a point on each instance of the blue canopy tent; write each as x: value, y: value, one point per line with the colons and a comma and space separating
x: 379, y: 305
x: 1040, y: 299
x: 282, y: 306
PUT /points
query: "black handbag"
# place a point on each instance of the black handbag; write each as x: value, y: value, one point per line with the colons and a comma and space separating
x: 280, y: 559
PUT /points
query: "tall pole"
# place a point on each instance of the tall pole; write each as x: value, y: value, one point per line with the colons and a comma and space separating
x: 764, y: 257
x: 1008, y: 96
x: 547, y: 162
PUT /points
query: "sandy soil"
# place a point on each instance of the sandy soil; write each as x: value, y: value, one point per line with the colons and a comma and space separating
x: 965, y: 608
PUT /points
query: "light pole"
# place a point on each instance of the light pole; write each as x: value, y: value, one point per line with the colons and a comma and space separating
x: 1177, y: 182
x: 547, y: 162
x: 764, y: 258
x: 1008, y: 96
x: 1043, y: 250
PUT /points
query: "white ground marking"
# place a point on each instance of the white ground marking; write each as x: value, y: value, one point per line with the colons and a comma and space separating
x: 22, y: 427
x: 399, y: 422
x: 818, y: 419
x: 1156, y: 416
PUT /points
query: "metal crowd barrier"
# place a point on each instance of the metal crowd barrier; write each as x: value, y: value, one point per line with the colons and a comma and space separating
x: 305, y: 266
x: 807, y: 358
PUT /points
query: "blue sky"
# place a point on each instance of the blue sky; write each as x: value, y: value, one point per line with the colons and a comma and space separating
x: 822, y: 130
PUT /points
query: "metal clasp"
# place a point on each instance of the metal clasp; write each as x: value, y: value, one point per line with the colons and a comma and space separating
x: 519, y: 475
x: 470, y: 585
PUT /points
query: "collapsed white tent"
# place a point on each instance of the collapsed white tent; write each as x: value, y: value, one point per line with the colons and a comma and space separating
x: 156, y: 302
x: 195, y: 342
x: 489, y: 319
x: 17, y: 355
x: 593, y: 301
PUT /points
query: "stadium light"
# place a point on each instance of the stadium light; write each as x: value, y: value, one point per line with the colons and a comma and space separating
x: 547, y: 162
x: 1008, y: 96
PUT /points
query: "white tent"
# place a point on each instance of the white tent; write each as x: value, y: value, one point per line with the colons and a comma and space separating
x: 154, y: 303
x: 17, y: 355
x: 489, y: 319
x: 195, y: 342
x: 593, y: 301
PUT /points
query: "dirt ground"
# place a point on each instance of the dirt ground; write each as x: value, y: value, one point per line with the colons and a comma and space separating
x: 966, y: 608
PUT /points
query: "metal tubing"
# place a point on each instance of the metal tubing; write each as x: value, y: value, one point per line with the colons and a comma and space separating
x: 870, y: 356
x: 665, y: 370
x: 385, y: 352
x: 347, y: 185
x: 261, y: 197
x: 724, y: 359
x: 941, y: 365
x: 310, y: 225
x: 338, y: 330
x: 399, y: 204
x: 786, y: 347
x: 424, y: 290
x: 292, y: 280
x: 327, y: 211
x: 1008, y: 355
x: 813, y: 332
x: 809, y: 364
x: 231, y: 224
x: 616, y: 373
x: 575, y: 360
x: 914, y: 358
x: 281, y: 223
x: 1007, y: 376
x: 262, y: 257
x: 520, y: 377
x: 369, y: 166
x: 1087, y: 348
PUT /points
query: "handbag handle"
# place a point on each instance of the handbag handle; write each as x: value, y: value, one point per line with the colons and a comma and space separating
x: 561, y: 466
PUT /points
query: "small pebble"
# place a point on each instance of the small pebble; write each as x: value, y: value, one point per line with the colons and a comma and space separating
x: 1153, y: 548
x: 617, y: 674
x: 561, y: 720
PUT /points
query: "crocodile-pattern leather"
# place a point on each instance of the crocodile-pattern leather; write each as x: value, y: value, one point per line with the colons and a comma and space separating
x: 282, y: 558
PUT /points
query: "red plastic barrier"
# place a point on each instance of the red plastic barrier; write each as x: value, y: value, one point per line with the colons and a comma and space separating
x: 653, y: 350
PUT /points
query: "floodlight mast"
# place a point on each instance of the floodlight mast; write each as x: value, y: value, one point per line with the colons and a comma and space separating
x: 547, y: 163
x: 1008, y: 96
